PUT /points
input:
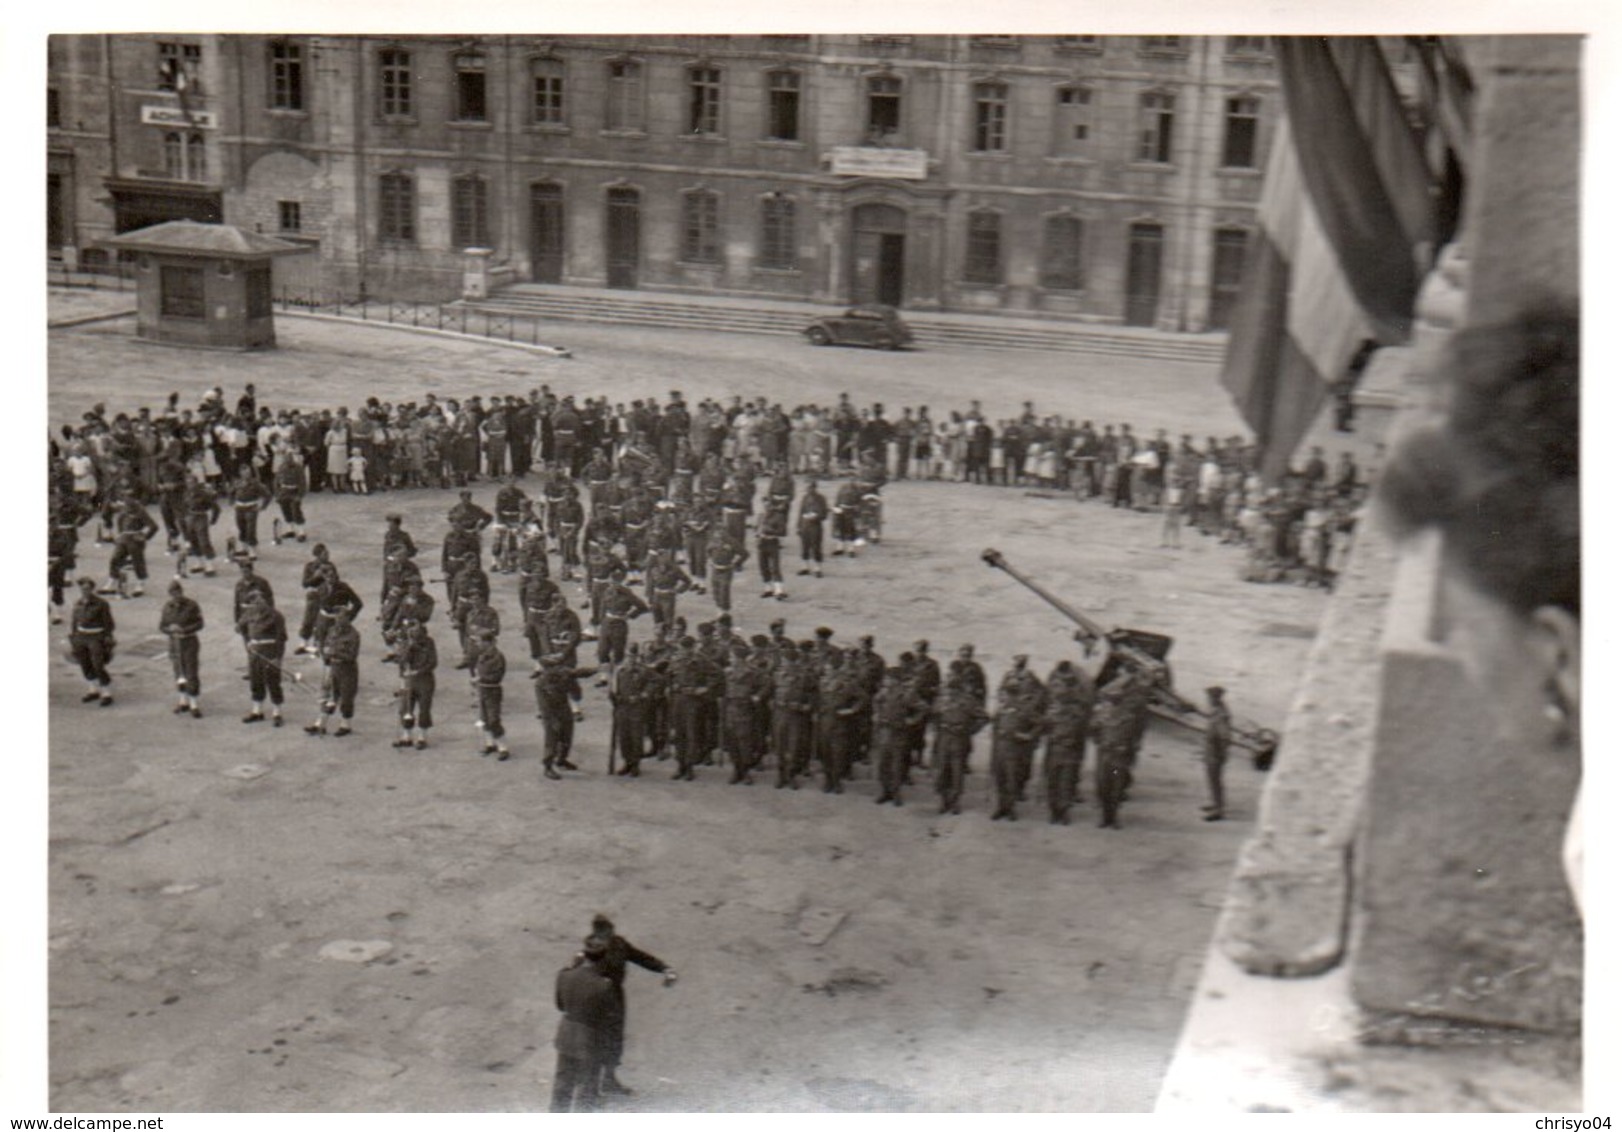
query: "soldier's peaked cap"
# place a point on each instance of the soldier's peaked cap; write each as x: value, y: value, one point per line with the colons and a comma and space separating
x: 824, y: 632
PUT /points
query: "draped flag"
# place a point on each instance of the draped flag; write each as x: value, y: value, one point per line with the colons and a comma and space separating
x: 1347, y: 223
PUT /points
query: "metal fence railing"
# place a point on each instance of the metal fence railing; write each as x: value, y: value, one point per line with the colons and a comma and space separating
x: 496, y: 325
x: 109, y: 276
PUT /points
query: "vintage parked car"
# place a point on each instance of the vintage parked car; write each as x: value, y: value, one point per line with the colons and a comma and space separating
x: 871, y: 324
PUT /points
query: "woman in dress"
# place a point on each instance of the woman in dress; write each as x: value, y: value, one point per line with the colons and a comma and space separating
x: 337, y: 445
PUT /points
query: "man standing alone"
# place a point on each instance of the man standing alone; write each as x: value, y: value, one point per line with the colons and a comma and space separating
x: 590, y: 1006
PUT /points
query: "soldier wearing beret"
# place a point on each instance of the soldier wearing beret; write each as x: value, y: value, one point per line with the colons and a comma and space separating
x: 264, y: 632
x: 1021, y: 715
x: 959, y: 714
x: 897, y: 709
x: 488, y: 668
x: 1218, y: 737
x: 181, y: 621
x: 418, y: 657
x: 1070, y: 708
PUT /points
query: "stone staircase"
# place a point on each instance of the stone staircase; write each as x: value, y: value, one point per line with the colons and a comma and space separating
x: 714, y: 314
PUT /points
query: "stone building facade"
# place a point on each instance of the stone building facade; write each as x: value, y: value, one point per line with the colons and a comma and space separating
x: 1100, y: 178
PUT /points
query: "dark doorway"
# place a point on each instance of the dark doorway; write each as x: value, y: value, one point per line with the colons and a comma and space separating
x: 546, y: 233
x: 624, y: 236
x: 878, y: 254
x: 1143, y: 274
x: 56, y: 215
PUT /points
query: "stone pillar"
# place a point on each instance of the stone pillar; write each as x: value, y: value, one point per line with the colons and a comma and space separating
x: 476, y: 272
x: 924, y: 271
x: 830, y: 283
x: 1462, y: 914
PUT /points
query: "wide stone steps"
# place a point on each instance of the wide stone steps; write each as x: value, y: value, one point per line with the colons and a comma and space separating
x: 742, y: 316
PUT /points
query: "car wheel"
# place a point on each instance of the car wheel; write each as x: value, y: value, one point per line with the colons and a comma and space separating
x: 818, y: 336
x: 884, y: 342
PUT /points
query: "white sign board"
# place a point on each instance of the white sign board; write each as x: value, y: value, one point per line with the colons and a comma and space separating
x: 175, y: 116
x: 875, y: 161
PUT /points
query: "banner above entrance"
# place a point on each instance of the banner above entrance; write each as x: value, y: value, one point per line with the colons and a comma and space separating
x: 872, y: 161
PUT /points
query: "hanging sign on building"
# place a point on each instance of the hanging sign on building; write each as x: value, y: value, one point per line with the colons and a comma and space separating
x: 175, y: 116
x: 875, y: 161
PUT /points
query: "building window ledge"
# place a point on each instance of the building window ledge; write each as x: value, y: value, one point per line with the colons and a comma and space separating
x: 471, y: 124
x: 761, y: 269
x: 286, y: 112
x: 1152, y: 166
x: 1242, y: 172
x: 396, y: 120
x: 705, y: 138
x: 547, y: 128
x: 634, y: 135
x: 991, y: 154
x: 781, y: 143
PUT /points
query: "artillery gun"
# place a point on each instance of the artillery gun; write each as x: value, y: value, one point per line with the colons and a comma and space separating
x: 1146, y: 651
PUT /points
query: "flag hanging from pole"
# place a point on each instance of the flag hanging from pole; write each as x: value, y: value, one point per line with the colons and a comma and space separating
x: 1346, y: 220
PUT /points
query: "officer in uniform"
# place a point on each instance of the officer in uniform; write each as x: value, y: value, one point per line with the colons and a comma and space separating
x: 794, y: 702
x: 407, y: 605
x: 1022, y: 711
x: 264, y: 633
x: 418, y: 657
x: 691, y: 678
x: 317, y: 572
x: 926, y: 680
x: 973, y: 676
x: 340, y: 651
x: 665, y: 581
x: 1218, y: 737
x: 1113, y: 728
x: 201, y: 511
x: 248, y: 582
x: 629, y: 696
x: 726, y: 555
x: 248, y: 498
x: 288, y: 489
x: 556, y: 692
x: 840, y: 700
x: 960, y: 713
x: 133, y: 528
x: 90, y: 632
x: 746, y: 688
x: 487, y: 670
x: 181, y: 621
x: 570, y: 516
x: 1071, y: 694
x: 897, y: 709
x: 620, y: 607
x: 769, y: 544
x: 696, y: 524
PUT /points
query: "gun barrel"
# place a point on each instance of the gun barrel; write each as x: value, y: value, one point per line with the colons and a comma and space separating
x: 1093, y: 629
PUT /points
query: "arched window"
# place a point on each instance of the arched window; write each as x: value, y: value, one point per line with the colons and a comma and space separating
x: 701, y: 226
x: 396, y: 208
x: 174, y: 157
x: 777, y: 236
x: 982, y: 260
x: 196, y: 158
x: 1061, y: 254
x: 470, y: 212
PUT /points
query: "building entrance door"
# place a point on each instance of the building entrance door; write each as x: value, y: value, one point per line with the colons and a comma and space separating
x: 624, y: 231
x: 1143, y: 274
x: 879, y: 254
x: 546, y: 233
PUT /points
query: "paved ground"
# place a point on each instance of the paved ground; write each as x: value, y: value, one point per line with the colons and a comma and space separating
x: 834, y: 955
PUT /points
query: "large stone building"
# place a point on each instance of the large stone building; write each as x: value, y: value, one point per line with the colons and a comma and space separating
x: 1108, y: 179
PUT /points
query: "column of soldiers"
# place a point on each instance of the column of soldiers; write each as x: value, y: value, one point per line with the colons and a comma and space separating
x: 707, y: 698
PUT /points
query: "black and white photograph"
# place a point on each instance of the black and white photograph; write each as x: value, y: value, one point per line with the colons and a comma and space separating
x: 663, y: 571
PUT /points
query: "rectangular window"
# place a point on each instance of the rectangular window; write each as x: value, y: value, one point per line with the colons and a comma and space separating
x: 547, y: 92
x: 1227, y: 270
x: 257, y: 292
x: 701, y: 228
x: 1164, y: 45
x: 704, y: 100
x: 1003, y: 42
x: 53, y: 108
x: 624, y: 96
x: 286, y: 76
x: 182, y: 292
x: 470, y: 213
x: 777, y: 241
x: 1061, y: 254
x: 1247, y: 45
x: 174, y: 157
x: 983, y: 259
x: 1239, y: 133
x: 196, y: 158
x: 1155, y: 127
x: 883, y: 108
x: 1078, y: 42
x: 289, y: 216
x: 394, y: 83
x: 396, y: 209
x: 178, y: 64
x: 990, y: 117
x: 783, y: 106
x: 470, y: 102
x: 1072, y: 121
